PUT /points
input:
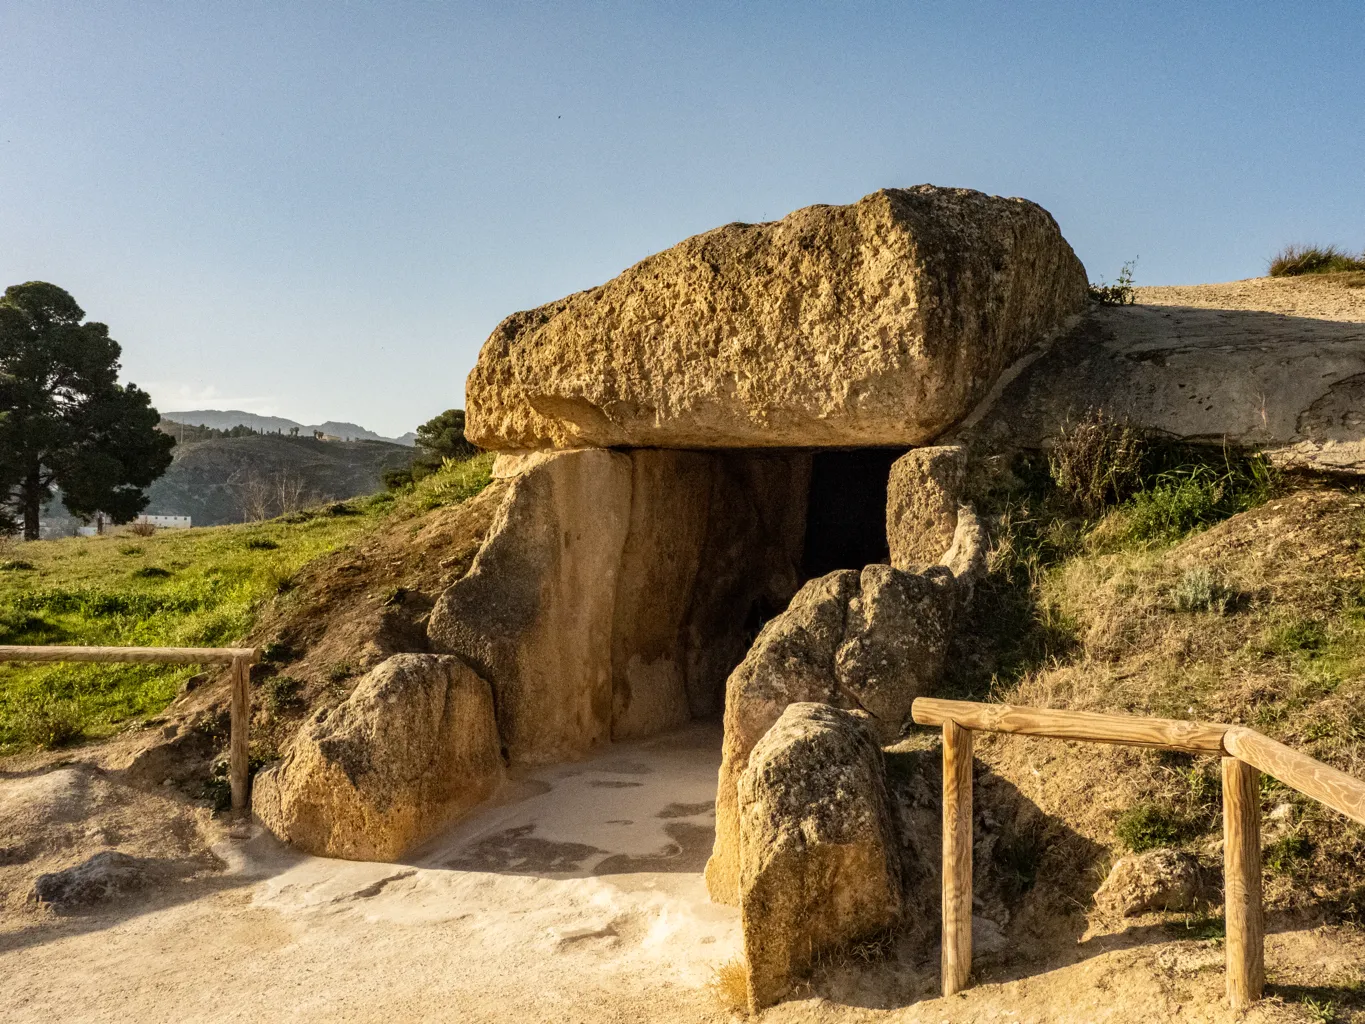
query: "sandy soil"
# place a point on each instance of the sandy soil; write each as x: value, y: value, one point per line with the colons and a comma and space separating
x: 577, y: 898
x: 1321, y: 296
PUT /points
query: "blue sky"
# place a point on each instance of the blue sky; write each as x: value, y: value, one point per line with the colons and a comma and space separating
x: 320, y: 210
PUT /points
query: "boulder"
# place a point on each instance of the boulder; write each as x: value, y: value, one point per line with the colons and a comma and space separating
x: 819, y: 863
x: 872, y: 641
x: 922, y: 498
x: 878, y: 323
x: 410, y: 750
x: 1161, y: 879
x: 535, y: 614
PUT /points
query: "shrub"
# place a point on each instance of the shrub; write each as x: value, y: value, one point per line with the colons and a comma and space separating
x: 142, y: 529
x: 152, y: 572
x: 261, y: 544
x: 282, y: 694
x: 16, y: 565
x: 1200, y: 590
x: 1096, y: 461
x: 1148, y: 825
x: 1118, y: 294
x: 1296, y: 260
x: 1286, y: 856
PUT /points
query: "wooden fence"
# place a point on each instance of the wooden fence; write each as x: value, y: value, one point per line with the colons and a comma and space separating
x: 240, y: 658
x: 1245, y: 754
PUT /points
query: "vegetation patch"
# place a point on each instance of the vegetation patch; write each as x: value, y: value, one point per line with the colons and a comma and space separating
x: 1296, y: 260
x: 215, y: 586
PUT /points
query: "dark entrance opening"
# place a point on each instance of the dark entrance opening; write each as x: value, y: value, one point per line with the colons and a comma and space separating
x: 846, y: 510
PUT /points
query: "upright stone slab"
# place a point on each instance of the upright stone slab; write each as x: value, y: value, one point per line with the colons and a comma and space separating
x: 922, y: 498
x: 669, y: 510
x: 535, y: 613
x: 819, y: 862
x: 878, y: 323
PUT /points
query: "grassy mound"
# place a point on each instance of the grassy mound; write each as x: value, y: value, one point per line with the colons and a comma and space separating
x: 200, y: 587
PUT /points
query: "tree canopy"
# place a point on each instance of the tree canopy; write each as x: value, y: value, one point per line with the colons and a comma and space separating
x: 65, y: 421
x: 439, y: 438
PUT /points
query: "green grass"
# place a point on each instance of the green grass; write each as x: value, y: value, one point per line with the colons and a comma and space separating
x: 191, y: 588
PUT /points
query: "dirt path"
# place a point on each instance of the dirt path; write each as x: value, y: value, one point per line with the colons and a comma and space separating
x: 578, y: 899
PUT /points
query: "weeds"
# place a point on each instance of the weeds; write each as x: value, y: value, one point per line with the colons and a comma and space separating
x: 1118, y: 294
x: 282, y: 694
x: 731, y: 985
x: 1096, y: 462
x: 1150, y: 825
x: 1200, y: 590
x: 1287, y: 856
x: 1296, y: 260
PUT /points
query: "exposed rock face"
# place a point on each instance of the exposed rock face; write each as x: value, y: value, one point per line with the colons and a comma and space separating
x: 535, y: 613
x: 819, y: 861
x: 1288, y: 383
x: 413, y: 748
x: 872, y: 640
x: 922, y: 498
x: 878, y: 323
x: 1156, y: 880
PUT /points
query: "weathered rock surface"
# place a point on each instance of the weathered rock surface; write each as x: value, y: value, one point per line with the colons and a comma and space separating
x: 819, y: 863
x: 105, y: 876
x: 878, y: 323
x: 1160, y: 879
x: 1288, y: 383
x: 922, y: 497
x: 535, y: 613
x: 669, y: 509
x: 413, y: 748
x: 872, y: 641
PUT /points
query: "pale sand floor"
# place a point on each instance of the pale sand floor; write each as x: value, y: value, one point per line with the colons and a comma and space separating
x: 578, y: 898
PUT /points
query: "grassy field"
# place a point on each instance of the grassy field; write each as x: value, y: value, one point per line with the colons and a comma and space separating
x: 191, y: 588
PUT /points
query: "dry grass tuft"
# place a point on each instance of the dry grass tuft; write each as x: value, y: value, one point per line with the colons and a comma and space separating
x: 731, y: 986
x: 1295, y: 260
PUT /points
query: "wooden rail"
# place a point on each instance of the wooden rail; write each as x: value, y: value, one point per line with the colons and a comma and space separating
x: 240, y: 658
x: 1245, y: 754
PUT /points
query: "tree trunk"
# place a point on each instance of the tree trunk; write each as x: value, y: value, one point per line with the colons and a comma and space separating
x: 32, y: 498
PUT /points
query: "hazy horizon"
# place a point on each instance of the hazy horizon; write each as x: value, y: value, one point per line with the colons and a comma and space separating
x: 319, y: 211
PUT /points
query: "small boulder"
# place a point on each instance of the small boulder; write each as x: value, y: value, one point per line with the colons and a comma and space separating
x: 922, y: 498
x: 1161, y: 879
x: 819, y: 860
x: 105, y: 876
x: 411, y: 749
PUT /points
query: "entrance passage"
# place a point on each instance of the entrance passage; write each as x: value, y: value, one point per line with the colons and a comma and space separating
x: 846, y: 510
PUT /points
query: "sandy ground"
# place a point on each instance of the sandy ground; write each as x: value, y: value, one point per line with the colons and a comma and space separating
x: 577, y: 898
x: 1320, y: 297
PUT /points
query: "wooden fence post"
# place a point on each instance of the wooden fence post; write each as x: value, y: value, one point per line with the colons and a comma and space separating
x: 957, y: 857
x: 1243, y: 913
x: 239, y: 736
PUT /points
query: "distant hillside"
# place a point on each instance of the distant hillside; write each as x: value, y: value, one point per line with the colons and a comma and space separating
x: 227, y: 419
x: 231, y: 479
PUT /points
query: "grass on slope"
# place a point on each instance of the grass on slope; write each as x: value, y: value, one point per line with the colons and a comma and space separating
x: 191, y: 588
x: 1295, y: 260
x: 1209, y: 589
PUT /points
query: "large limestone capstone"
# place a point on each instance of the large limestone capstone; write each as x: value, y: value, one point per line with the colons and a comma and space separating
x: 878, y: 323
x: 870, y: 640
x: 535, y: 614
x: 409, y: 751
x: 819, y: 858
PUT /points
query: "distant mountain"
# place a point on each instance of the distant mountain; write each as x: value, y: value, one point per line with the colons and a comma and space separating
x: 225, y: 420
x: 229, y: 479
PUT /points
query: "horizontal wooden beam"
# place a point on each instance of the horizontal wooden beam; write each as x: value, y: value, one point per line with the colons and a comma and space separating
x: 1164, y: 733
x: 146, y: 655
x: 1309, y: 776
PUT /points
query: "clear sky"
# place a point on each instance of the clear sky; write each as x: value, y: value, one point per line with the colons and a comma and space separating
x: 320, y: 210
